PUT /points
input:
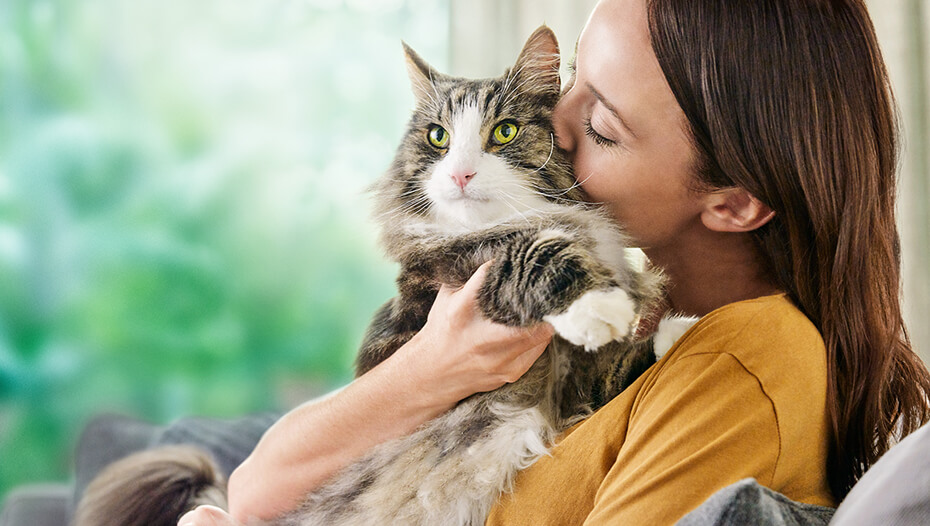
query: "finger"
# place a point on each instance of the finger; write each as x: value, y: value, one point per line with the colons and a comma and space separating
x: 541, y: 333
x: 190, y: 518
x: 468, y: 291
x: 522, y: 363
x: 206, y: 516
x: 477, y: 279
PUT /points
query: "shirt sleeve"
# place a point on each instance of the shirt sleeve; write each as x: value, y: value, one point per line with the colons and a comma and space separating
x: 703, y: 423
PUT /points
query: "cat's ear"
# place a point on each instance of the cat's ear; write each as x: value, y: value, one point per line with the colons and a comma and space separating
x: 539, y: 59
x: 421, y: 74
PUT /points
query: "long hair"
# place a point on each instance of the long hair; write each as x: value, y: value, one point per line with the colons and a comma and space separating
x: 790, y: 100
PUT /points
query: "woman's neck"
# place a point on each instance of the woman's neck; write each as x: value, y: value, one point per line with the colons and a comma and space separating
x: 710, y: 270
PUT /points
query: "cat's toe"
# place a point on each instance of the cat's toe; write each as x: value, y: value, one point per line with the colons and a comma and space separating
x: 596, y: 318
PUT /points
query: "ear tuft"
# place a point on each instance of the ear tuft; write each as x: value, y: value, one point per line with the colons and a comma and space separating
x: 421, y: 74
x: 539, y: 58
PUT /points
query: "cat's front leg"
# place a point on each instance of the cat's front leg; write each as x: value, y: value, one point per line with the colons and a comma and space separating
x: 552, y: 275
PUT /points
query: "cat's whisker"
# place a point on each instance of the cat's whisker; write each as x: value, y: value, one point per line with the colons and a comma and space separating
x: 524, y: 204
x: 549, y: 192
x: 517, y: 90
x: 553, y: 193
x: 576, y: 184
x: 583, y: 181
x: 411, y: 192
x: 432, y: 83
x: 434, y: 101
x: 551, y: 149
x: 505, y: 198
x: 415, y: 206
x: 511, y: 76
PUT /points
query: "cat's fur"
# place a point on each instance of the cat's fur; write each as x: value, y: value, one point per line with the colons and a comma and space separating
x: 443, y: 212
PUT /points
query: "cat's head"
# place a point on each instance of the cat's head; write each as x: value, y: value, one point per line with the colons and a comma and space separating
x: 478, y: 152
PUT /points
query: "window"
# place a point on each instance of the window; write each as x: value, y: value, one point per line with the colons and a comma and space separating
x: 183, y: 228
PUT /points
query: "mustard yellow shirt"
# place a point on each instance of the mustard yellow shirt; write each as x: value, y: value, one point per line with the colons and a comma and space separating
x: 741, y: 394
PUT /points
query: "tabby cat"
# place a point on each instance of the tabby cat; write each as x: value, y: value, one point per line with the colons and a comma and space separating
x: 477, y: 177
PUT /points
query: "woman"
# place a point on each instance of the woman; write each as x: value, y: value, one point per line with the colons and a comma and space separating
x: 750, y: 149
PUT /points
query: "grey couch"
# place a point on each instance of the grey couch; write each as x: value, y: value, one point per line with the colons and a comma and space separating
x: 110, y: 437
x: 894, y: 492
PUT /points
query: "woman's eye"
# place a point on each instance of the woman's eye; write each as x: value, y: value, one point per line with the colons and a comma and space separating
x: 597, y: 137
x: 504, y: 133
x: 438, y: 136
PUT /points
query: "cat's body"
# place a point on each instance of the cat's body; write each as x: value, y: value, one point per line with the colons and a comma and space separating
x: 479, y: 177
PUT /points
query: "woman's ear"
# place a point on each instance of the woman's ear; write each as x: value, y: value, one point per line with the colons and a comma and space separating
x: 735, y: 210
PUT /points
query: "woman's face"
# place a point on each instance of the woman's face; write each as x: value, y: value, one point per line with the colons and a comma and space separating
x: 622, y: 125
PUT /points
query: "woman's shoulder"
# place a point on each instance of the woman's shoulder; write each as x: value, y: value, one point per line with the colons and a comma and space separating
x: 757, y: 329
x: 767, y: 340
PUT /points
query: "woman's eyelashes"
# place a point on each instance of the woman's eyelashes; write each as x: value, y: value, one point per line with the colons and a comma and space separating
x: 597, y: 137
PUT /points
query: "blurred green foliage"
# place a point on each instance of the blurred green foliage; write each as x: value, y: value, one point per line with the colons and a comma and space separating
x: 183, y: 228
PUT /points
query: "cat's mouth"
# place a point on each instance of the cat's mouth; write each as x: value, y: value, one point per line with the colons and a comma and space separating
x: 468, y: 196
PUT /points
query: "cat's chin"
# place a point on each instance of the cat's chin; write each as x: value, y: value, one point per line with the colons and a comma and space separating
x: 471, y: 214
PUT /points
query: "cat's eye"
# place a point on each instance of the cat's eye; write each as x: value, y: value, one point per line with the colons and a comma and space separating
x: 438, y: 136
x: 504, y: 133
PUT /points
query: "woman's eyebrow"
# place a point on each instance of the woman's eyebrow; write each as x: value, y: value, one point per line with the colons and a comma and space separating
x: 610, y: 107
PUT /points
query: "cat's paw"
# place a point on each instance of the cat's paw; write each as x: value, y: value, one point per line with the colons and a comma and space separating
x: 670, y: 330
x: 596, y: 318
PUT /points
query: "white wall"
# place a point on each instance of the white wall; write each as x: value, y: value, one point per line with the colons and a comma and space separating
x: 903, y: 27
x: 487, y: 35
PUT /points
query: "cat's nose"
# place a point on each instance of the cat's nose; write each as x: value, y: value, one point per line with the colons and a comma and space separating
x: 462, y: 178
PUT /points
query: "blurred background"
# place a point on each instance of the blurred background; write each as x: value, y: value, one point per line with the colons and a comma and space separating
x: 183, y: 225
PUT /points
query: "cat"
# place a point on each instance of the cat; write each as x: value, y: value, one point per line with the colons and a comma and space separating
x: 478, y: 176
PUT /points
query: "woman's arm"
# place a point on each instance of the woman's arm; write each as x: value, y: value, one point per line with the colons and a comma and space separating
x: 456, y: 354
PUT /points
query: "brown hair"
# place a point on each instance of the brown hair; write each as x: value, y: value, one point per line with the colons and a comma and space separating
x: 790, y: 100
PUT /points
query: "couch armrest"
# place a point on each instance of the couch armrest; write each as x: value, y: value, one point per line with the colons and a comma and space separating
x: 37, y: 505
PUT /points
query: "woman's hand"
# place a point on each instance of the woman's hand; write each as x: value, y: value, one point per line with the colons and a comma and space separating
x: 207, y: 516
x: 457, y: 353
x: 460, y: 352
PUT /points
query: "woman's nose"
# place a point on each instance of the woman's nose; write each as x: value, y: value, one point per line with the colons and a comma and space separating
x: 561, y: 123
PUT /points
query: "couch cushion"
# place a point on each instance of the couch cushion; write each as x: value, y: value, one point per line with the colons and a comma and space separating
x: 896, y: 490
x: 110, y: 437
x: 36, y: 505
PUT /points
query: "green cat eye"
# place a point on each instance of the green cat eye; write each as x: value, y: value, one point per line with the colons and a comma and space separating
x: 438, y: 136
x: 504, y: 133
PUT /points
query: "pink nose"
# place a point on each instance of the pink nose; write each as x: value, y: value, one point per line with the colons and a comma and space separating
x: 462, y: 178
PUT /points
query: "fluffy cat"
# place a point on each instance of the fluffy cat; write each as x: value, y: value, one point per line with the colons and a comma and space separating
x: 478, y: 176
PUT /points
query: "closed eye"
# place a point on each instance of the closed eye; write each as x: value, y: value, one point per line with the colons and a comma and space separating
x: 597, y: 137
